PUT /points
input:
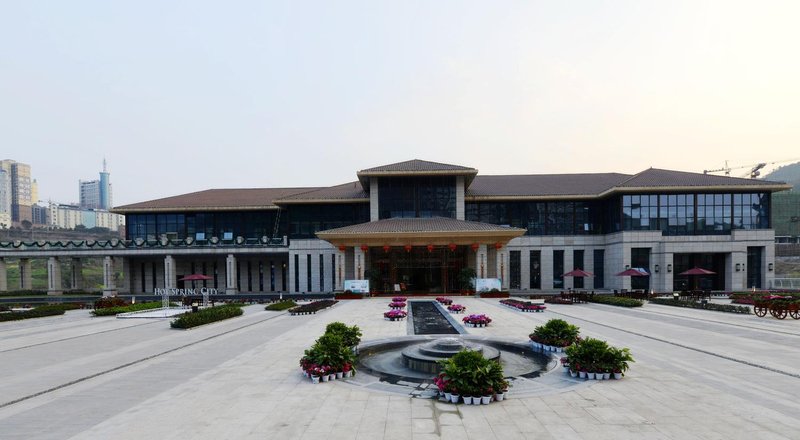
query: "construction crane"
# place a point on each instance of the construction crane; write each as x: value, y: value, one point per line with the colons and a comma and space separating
x: 755, y: 169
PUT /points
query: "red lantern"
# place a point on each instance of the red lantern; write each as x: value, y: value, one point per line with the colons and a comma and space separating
x: 430, y: 248
x: 452, y: 247
x: 475, y: 247
x: 364, y: 247
x: 498, y: 245
x: 386, y: 248
x: 407, y: 248
x: 342, y: 248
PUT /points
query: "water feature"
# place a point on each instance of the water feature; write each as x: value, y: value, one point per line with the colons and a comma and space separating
x: 429, y: 320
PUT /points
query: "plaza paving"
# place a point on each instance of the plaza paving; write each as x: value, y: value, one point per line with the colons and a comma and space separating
x: 698, y: 375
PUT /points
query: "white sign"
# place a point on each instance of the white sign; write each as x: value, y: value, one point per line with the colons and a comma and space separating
x: 487, y: 284
x: 357, y: 286
x: 186, y: 292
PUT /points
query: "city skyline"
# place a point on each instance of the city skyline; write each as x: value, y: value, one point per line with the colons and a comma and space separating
x: 224, y: 98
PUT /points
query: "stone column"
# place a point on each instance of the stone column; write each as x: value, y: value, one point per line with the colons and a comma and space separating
x: 230, y: 275
x: 3, y: 276
x: 109, y: 284
x: 374, y: 214
x: 339, y: 270
x: 169, y: 272
x: 54, y: 276
x: 127, y: 273
x: 76, y: 274
x: 481, y: 269
x: 359, y: 261
x: 25, y: 276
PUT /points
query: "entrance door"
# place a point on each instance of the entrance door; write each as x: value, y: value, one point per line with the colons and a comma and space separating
x: 418, y: 270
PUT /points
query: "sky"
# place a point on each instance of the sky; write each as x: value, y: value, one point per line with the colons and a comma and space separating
x: 182, y: 96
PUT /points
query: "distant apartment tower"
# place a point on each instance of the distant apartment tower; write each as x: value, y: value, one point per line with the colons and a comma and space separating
x: 96, y: 194
x: 5, y: 199
x: 67, y: 216
x: 21, y: 189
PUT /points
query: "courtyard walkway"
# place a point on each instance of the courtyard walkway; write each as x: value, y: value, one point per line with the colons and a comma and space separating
x: 698, y: 375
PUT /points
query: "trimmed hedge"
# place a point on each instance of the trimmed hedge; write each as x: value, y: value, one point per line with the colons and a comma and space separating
x: 207, y: 316
x: 313, y: 307
x: 283, y: 305
x: 111, y: 311
x: 615, y: 301
x: 708, y: 306
x: 24, y: 293
x: 38, y: 312
x: 108, y: 302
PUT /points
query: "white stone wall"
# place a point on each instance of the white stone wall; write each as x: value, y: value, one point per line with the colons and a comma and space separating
x: 315, y: 248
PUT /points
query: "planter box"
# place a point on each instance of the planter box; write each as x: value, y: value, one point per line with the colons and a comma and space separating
x: 502, y: 294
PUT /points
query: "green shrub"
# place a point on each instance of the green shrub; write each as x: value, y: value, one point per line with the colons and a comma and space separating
x: 708, y: 306
x: 24, y: 293
x: 205, y: 316
x: 615, y: 301
x: 111, y: 311
x: 351, y: 336
x: 556, y: 332
x: 596, y: 356
x: 108, y: 302
x: 333, y: 351
x: 468, y: 373
x: 38, y: 312
x: 283, y: 305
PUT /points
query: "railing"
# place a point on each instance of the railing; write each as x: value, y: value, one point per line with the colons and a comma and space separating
x: 785, y: 283
x: 141, y: 243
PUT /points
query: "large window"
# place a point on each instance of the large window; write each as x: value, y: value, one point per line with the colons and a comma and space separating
x: 514, y: 266
x: 558, y: 269
x: 540, y: 218
x: 599, y: 268
x: 306, y: 220
x: 640, y: 258
x: 577, y: 263
x: 536, y: 269
x: 430, y: 196
x: 223, y: 225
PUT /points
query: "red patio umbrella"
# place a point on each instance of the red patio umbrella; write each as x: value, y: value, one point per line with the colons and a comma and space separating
x: 580, y: 273
x: 633, y: 272
x: 697, y: 271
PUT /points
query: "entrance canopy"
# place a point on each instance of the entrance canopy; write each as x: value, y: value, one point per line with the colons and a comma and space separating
x: 420, y: 232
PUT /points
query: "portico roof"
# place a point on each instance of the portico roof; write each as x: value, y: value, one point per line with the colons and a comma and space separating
x: 420, y: 232
x: 417, y: 167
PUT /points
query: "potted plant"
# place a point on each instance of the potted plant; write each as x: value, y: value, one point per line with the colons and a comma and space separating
x: 395, y: 315
x: 375, y: 279
x: 456, y: 308
x: 621, y: 358
x: 397, y: 305
x: 465, y: 279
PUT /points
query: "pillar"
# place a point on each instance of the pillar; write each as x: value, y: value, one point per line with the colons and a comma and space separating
x: 169, y: 272
x: 481, y: 268
x: 25, y: 276
x: 359, y: 261
x: 3, y: 276
x: 54, y: 276
x: 230, y: 275
x: 76, y: 274
x: 339, y: 270
x: 109, y: 284
x: 127, y: 274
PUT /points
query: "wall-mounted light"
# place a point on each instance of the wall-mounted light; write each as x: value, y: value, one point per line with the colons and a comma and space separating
x: 656, y: 268
x: 738, y: 267
x: 770, y: 267
x: 669, y: 268
x: 627, y: 266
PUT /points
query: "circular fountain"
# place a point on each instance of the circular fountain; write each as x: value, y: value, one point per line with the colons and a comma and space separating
x: 425, y: 357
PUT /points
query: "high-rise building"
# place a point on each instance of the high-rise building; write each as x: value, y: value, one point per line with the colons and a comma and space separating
x: 96, y: 194
x: 21, y: 190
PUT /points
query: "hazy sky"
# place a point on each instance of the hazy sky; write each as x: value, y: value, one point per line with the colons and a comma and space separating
x: 183, y: 96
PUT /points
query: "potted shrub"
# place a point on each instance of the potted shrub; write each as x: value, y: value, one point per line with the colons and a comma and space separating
x: 465, y: 279
x: 472, y: 375
x: 620, y: 359
x: 456, y: 308
x: 395, y: 315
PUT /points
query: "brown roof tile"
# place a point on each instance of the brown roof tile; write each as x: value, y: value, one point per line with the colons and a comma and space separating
x: 416, y: 165
x: 654, y: 177
x: 418, y: 225
x: 347, y: 191
x: 542, y: 185
x: 215, y: 199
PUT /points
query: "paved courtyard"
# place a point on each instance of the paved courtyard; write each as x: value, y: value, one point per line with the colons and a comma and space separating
x: 698, y: 375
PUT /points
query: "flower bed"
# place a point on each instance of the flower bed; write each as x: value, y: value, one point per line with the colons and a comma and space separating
x: 477, y: 320
x: 615, y: 301
x: 399, y: 299
x: 112, y: 311
x: 111, y: 301
x: 314, y: 307
x: 557, y: 300
x: 283, y: 305
x: 397, y: 305
x: 456, y: 308
x: 332, y: 356
x: 395, y: 315
x: 347, y: 294
x: 494, y: 293
x: 444, y: 301
x: 594, y: 359
x: 554, y: 335
x: 471, y: 378
x: 207, y: 316
x: 708, y: 306
x: 523, y: 306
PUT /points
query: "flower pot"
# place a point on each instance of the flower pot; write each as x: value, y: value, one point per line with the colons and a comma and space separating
x: 617, y: 375
x: 467, y: 400
x: 348, y: 373
x: 325, y: 377
x: 582, y: 374
x: 606, y: 376
x: 454, y: 398
x: 339, y: 374
x: 573, y: 373
x: 485, y: 400
x: 314, y: 379
x: 448, y: 396
x: 566, y: 368
x: 590, y: 375
x: 499, y: 397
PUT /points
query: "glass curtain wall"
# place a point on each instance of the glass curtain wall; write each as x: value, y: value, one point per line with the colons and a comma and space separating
x: 535, y: 269
x: 429, y: 196
x: 514, y: 269
x: 558, y: 269
x: 599, y: 268
x: 541, y: 218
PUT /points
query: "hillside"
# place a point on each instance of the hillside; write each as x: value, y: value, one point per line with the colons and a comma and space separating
x: 787, y: 173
